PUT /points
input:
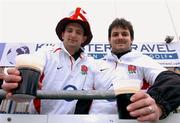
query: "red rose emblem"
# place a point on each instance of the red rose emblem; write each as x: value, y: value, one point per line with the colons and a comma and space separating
x: 131, y: 69
x: 84, y: 69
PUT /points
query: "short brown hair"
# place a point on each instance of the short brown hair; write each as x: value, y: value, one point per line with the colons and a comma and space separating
x: 121, y: 22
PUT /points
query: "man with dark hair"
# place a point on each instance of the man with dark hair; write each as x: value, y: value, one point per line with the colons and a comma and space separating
x: 125, y: 64
x: 66, y: 67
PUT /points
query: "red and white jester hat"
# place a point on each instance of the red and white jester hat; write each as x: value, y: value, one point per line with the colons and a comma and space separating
x: 77, y: 16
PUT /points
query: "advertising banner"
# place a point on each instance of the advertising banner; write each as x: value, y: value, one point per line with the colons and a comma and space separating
x: 167, y: 55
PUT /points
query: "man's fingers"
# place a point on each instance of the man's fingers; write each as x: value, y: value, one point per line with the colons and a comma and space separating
x: 8, y: 95
x: 143, y: 111
x: 140, y: 104
x: 9, y: 86
x: 139, y: 95
x: 12, y: 78
x: 13, y: 71
x: 144, y: 107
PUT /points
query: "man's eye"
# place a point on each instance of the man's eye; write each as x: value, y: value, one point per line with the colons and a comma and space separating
x: 79, y: 32
x: 125, y: 34
x: 68, y: 30
x: 115, y: 34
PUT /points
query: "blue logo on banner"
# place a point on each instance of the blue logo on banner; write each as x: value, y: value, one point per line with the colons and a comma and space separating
x: 163, y: 56
x: 97, y: 55
x: 14, y: 51
x: 2, y: 46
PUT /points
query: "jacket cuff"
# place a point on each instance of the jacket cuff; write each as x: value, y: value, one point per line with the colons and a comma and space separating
x: 164, y: 105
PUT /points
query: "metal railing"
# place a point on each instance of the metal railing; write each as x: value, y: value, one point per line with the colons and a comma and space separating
x: 71, y: 94
x: 16, y: 107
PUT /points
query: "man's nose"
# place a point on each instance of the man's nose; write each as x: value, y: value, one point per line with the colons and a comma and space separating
x: 73, y: 33
x: 120, y: 36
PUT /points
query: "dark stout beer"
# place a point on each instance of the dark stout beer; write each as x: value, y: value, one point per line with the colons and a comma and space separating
x: 30, y: 69
x: 124, y: 89
x: 123, y: 100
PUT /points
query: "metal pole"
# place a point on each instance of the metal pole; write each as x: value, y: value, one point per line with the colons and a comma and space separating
x: 71, y: 94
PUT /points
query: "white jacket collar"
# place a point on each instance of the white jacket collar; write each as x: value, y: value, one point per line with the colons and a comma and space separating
x: 134, y: 58
x: 61, y: 45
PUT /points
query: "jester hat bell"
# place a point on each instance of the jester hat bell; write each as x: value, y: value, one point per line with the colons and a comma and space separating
x: 77, y: 16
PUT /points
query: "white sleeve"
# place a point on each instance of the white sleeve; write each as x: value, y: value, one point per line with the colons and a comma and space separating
x: 151, y: 73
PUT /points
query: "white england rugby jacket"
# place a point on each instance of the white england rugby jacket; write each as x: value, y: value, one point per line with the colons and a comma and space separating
x: 133, y: 66
x: 62, y: 72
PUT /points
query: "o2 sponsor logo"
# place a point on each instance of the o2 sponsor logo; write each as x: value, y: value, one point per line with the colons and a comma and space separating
x: 69, y: 87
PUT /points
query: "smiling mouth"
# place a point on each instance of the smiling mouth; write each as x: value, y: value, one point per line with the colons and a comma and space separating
x: 72, y: 41
x: 120, y: 44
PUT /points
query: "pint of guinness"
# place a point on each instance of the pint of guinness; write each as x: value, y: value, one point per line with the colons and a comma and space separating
x: 30, y: 69
x: 124, y: 89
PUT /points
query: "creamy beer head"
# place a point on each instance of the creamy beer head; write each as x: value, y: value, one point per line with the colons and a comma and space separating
x: 126, y: 86
x: 29, y: 61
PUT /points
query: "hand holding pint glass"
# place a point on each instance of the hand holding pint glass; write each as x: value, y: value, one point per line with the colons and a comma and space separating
x: 30, y: 68
x: 124, y: 89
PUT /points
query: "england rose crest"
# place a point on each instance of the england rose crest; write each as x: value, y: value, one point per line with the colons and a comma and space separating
x: 131, y: 69
x: 84, y: 69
